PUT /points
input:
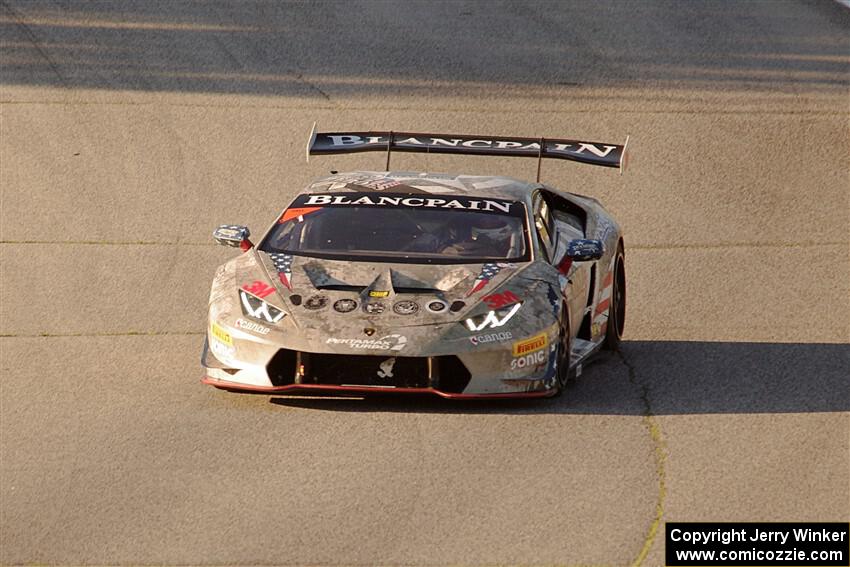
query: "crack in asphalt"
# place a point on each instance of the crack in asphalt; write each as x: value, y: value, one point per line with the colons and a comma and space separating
x: 660, y: 454
x: 309, y: 84
x: 27, y: 31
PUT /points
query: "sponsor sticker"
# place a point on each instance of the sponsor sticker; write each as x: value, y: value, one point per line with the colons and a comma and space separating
x: 406, y: 307
x: 221, y: 344
x: 247, y: 325
x: 376, y: 293
x: 388, y: 342
x: 223, y: 352
x: 492, y: 320
x: 385, y: 370
x: 297, y: 213
x: 528, y: 360
x: 258, y: 288
x: 283, y: 263
x: 255, y: 307
x: 488, y: 272
x: 491, y: 338
x: 407, y: 201
x: 316, y: 302
x: 379, y: 184
x: 537, y: 342
x: 499, y: 300
x: 375, y: 308
x: 345, y: 305
x: 219, y: 334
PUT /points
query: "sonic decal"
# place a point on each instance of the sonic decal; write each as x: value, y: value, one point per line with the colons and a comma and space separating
x: 283, y: 263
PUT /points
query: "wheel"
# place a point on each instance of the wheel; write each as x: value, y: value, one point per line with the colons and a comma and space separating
x: 563, y: 354
x: 617, y: 307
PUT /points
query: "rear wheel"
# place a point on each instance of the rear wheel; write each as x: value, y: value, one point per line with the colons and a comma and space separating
x: 617, y: 307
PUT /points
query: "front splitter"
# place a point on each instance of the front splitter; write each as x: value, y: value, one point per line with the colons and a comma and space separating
x: 353, y: 389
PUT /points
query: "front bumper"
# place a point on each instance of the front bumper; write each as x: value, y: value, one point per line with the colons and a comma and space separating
x: 499, y: 369
x: 306, y: 389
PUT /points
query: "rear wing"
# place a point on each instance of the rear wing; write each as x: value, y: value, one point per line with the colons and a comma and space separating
x: 593, y: 153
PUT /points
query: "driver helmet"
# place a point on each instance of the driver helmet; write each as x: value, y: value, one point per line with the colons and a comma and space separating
x: 491, y: 227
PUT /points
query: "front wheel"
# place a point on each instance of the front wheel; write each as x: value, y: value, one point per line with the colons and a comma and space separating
x: 617, y: 307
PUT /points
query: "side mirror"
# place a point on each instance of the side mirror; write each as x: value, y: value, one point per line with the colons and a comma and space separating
x: 582, y: 250
x: 233, y: 235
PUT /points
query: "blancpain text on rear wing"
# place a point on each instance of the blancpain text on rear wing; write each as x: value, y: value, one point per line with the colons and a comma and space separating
x: 593, y: 153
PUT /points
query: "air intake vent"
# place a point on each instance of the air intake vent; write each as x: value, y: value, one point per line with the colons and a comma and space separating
x: 341, y: 287
x: 281, y: 368
x: 454, y: 377
x: 428, y: 290
x: 363, y: 370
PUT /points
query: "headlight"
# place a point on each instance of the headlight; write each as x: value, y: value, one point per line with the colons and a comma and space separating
x: 492, y: 319
x: 256, y: 308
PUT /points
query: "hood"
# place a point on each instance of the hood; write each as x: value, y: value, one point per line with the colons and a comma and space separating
x: 314, y: 290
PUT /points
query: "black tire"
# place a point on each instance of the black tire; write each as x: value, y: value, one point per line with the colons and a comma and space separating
x: 617, y: 307
x: 562, y: 376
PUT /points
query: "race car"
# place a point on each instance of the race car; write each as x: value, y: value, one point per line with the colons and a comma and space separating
x: 461, y: 286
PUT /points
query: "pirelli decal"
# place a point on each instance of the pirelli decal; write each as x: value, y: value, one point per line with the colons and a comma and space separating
x: 595, y: 153
x: 221, y: 335
x: 530, y: 345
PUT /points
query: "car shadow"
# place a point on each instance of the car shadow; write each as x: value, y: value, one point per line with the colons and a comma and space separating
x: 662, y: 378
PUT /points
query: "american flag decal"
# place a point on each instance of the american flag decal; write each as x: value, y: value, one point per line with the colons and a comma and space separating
x: 283, y: 263
x: 488, y: 272
x: 380, y: 184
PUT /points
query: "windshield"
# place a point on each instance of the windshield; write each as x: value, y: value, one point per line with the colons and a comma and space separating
x: 401, y: 228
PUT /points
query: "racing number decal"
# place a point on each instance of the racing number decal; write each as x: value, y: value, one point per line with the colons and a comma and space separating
x: 499, y: 300
x: 258, y: 288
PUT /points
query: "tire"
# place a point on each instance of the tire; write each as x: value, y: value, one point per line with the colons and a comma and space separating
x: 617, y: 307
x: 564, y: 348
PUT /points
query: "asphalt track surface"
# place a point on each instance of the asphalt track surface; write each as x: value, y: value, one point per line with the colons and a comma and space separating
x: 130, y: 130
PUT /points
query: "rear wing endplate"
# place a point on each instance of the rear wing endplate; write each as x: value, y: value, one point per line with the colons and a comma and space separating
x: 593, y: 153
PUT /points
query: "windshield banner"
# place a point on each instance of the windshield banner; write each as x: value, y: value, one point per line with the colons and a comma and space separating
x: 305, y: 204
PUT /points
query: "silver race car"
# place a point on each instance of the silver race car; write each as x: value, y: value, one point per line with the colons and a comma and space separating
x: 456, y: 285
